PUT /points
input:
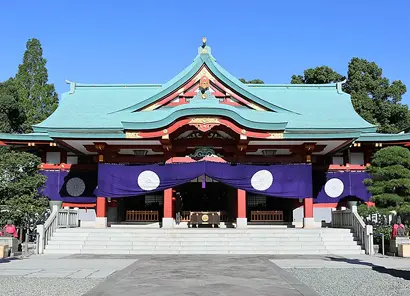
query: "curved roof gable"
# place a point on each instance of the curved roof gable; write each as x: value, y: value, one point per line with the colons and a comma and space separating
x: 204, y: 59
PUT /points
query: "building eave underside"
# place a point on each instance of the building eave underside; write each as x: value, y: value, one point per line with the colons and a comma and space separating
x: 307, y: 134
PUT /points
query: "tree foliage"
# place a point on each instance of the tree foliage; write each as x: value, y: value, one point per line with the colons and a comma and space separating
x: 318, y: 75
x: 390, y: 179
x: 373, y: 96
x: 253, y: 81
x: 12, y: 114
x: 38, y: 98
x: 20, y: 181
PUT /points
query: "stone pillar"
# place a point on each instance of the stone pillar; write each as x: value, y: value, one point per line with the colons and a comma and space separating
x: 168, y: 220
x: 241, y: 220
x: 308, y: 220
x: 101, y: 213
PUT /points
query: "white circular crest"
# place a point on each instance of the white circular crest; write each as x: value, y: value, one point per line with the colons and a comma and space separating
x: 148, y: 180
x: 75, y: 187
x: 334, y: 187
x: 262, y: 180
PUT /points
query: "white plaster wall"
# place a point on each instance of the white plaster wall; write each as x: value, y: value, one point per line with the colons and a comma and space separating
x: 321, y: 214
x: 298, y: 215
x: 86, y: 215
x: 318, y: 213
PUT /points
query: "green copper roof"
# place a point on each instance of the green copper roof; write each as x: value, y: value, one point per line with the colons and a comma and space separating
x: 98, y: 111
x: 26, y: 137
x: 376, y: 137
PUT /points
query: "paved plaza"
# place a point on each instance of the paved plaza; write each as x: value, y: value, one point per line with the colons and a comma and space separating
x: 103, y: 275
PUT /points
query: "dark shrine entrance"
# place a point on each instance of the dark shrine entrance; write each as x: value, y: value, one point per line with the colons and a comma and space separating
x: 204, y: 194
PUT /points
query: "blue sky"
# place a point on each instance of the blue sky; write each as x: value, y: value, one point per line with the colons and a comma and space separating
x: 151, y: 41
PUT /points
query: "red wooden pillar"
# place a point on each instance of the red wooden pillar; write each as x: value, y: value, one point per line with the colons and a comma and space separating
x: 168, y: 203
x: 168, y: 220
x: 241, y: 220
x: 241, y: 204
x: 308, y: 207
x: 308, y: 220
x: 101, y: 210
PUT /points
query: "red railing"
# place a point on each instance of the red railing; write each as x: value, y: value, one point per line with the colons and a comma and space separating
x: 267, y: 216
x: 141, y: 216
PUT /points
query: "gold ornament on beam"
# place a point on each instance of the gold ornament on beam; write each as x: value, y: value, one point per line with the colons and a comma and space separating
x: 275, y: 136
x: 132, y: 135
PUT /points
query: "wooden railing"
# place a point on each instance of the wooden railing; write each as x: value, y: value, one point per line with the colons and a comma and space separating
x: 67, y: 218
x: 57, y: 219
x: 351, y: 219
x: 141, y: 216
x: 267, y: 216
x: 185, y: 216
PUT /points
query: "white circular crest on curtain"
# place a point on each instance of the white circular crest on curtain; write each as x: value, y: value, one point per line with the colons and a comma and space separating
x: 262, y: 180
x: 75, y: 186
x: 148, y: 180
x: 334, y: 187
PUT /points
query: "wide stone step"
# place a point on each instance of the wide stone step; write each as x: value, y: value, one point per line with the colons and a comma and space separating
x: 207, y: 252
x: 291, y: 232
x: 196, y: 236
x: 203, y: 241
x: 121, y: 241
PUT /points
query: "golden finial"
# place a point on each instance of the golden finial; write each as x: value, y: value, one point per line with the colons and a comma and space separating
x: 203, y: 48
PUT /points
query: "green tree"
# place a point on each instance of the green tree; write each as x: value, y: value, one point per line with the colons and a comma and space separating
x: 12, y: 114
x: 318, y: 75
x: 390, y: 179
x: 373, y: 96
x: 20, y: 181
x: 38, y: 98
x: 253, y: 81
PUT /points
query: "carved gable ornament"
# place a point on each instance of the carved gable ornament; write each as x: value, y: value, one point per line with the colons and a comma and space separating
x: 204, y: 124
x: 204, y: 83
x: 202, y: 152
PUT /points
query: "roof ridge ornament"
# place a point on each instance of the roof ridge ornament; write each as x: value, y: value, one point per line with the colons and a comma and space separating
x: 339, y: 86
x: 204, y: 49
x: 72, y: 86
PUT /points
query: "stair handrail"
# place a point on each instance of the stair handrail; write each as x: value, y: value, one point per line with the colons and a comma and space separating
x: 59, y: 218
x: 349, y: 218
x: 46, y: 230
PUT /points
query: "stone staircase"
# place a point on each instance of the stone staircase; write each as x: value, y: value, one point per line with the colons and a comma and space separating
x: 203, y: 241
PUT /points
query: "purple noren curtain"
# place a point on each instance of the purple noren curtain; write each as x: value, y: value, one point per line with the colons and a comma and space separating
x: 335, y: 186
x: 288, y: 181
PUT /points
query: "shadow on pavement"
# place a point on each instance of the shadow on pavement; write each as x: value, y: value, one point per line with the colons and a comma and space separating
x: 404, y: 274
x: 7, y: 260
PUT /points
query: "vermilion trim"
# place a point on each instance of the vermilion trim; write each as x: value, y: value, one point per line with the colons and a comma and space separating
x: 347, y: 167
x: 64, y: 166
x: 182, y: 122
x: 325, y: 205
x: 78, y: 205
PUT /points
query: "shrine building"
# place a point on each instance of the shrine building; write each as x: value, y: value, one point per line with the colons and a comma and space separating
x: 204, y: 148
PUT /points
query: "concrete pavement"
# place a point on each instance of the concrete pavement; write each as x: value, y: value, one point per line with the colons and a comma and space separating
x: 106, y: 275
x: 202, y: 275
x: 58, y: 266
